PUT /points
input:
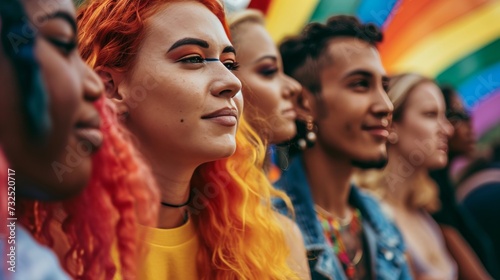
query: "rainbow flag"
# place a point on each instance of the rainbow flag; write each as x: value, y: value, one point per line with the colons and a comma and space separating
x: 457, y: 42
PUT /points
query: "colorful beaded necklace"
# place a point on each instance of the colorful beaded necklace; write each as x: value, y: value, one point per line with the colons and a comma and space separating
x: 332, y: 229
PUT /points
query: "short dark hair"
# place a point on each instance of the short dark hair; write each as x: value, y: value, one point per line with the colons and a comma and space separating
x: 448, y: 91
x: 303, y: 55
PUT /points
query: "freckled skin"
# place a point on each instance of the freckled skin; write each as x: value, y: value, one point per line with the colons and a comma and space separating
x: 169, y: 120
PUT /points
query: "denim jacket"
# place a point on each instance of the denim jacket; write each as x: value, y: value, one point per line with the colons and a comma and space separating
x: 385, y: 243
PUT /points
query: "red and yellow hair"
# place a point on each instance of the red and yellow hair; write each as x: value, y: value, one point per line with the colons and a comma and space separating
x: 96, y: 233
x: 241, y: 237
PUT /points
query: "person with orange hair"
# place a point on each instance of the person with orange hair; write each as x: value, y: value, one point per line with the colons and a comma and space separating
x: 167, y: 65
x: 78, y: 180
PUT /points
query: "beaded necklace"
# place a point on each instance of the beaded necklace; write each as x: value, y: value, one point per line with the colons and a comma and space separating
x: 332, y: 229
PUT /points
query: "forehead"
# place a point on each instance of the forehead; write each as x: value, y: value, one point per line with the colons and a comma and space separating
x: 179, y: 20
x: 252, y: 41
x: 347, y: 54
x: 37, y: 9
x: 425, y: 95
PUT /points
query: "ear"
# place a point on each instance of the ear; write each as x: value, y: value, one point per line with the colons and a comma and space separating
x: 304, y: 106
x: 112, y: 80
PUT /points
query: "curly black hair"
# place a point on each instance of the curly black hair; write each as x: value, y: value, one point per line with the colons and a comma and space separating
x: 304, y: 55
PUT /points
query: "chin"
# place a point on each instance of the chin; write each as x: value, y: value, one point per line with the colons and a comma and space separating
x: 438, y: 163
x: 73, y: 183
x: 377, y: 161
x: 220, y: 152
x: 283, y: 136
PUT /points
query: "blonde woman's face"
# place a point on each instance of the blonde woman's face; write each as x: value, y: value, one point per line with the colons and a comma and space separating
x: 267, y: 91
x: 423, y: 131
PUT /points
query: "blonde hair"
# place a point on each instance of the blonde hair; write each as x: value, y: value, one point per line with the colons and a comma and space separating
x: 425, y: 194
x: 248, y: 15
x: 258, y: 121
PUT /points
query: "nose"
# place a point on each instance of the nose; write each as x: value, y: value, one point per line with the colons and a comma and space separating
x: 291, y: 87
x: 92, y: 84
x: 225, y: 83
x: 382, y: 105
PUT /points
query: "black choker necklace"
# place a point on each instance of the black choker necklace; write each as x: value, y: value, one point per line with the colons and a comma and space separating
x: 179, y: 205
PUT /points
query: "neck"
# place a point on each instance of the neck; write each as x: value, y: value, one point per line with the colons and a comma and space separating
x: 402, y: 177
x: 173, y: 179
x: 329, y: 178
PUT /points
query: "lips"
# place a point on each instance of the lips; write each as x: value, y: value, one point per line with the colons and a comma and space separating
x: 87, y: 130
x: 443, y: 146
x: 289, y: 113
x: 376, y: 130
x: 225, y: 116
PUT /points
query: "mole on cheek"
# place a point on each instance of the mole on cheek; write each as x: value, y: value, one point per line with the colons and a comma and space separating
x: 182, y: 120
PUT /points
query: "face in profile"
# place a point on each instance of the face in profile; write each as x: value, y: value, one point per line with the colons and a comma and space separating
x: 59, y: 165
x: 268, y: 92
x: 353, y: 110
x: 180, y: 95
x: 423, y: 131
x: 463, y: 140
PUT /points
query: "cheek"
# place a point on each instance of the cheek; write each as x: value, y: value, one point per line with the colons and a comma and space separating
x: 262, y: 94
x: 239, y: 102
x: 64, y: 87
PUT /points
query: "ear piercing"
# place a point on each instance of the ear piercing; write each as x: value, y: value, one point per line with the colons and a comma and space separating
x: 311, y: 136
x: 393, y: 138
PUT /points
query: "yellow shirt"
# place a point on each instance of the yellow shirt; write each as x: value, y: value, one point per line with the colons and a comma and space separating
x: 171, y: 253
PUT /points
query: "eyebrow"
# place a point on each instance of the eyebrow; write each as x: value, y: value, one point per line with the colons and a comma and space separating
x: 198, y: 42
x: 229, y: 49
x: 266, y: 57
x: 365, y: 73
x: 64, y: 16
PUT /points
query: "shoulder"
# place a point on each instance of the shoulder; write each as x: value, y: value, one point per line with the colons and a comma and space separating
x: 41, y: 261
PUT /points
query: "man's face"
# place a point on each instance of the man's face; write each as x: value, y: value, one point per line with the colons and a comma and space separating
x: 353, y: 110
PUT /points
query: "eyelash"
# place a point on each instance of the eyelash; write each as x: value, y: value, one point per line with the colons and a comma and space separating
x: 269, y: 72
x: 360, y: 83
x: 385, y: 85
x: 65, y: 48
x: 231, y: 66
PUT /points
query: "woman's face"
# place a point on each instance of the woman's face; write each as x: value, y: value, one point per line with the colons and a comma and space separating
x: 60, y: 165
x: 268, y: 92
x: 424, y: 130
x: 181, y: 97
x: 463, y: 140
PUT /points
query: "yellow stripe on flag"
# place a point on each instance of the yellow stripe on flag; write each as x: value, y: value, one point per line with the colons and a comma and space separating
x: 288, y: 17
x: 446, y: 45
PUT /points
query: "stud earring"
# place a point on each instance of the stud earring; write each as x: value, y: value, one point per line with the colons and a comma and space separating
x: 393, y: 138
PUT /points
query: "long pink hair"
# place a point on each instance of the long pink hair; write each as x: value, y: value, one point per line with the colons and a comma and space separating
x: 97, y: 232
